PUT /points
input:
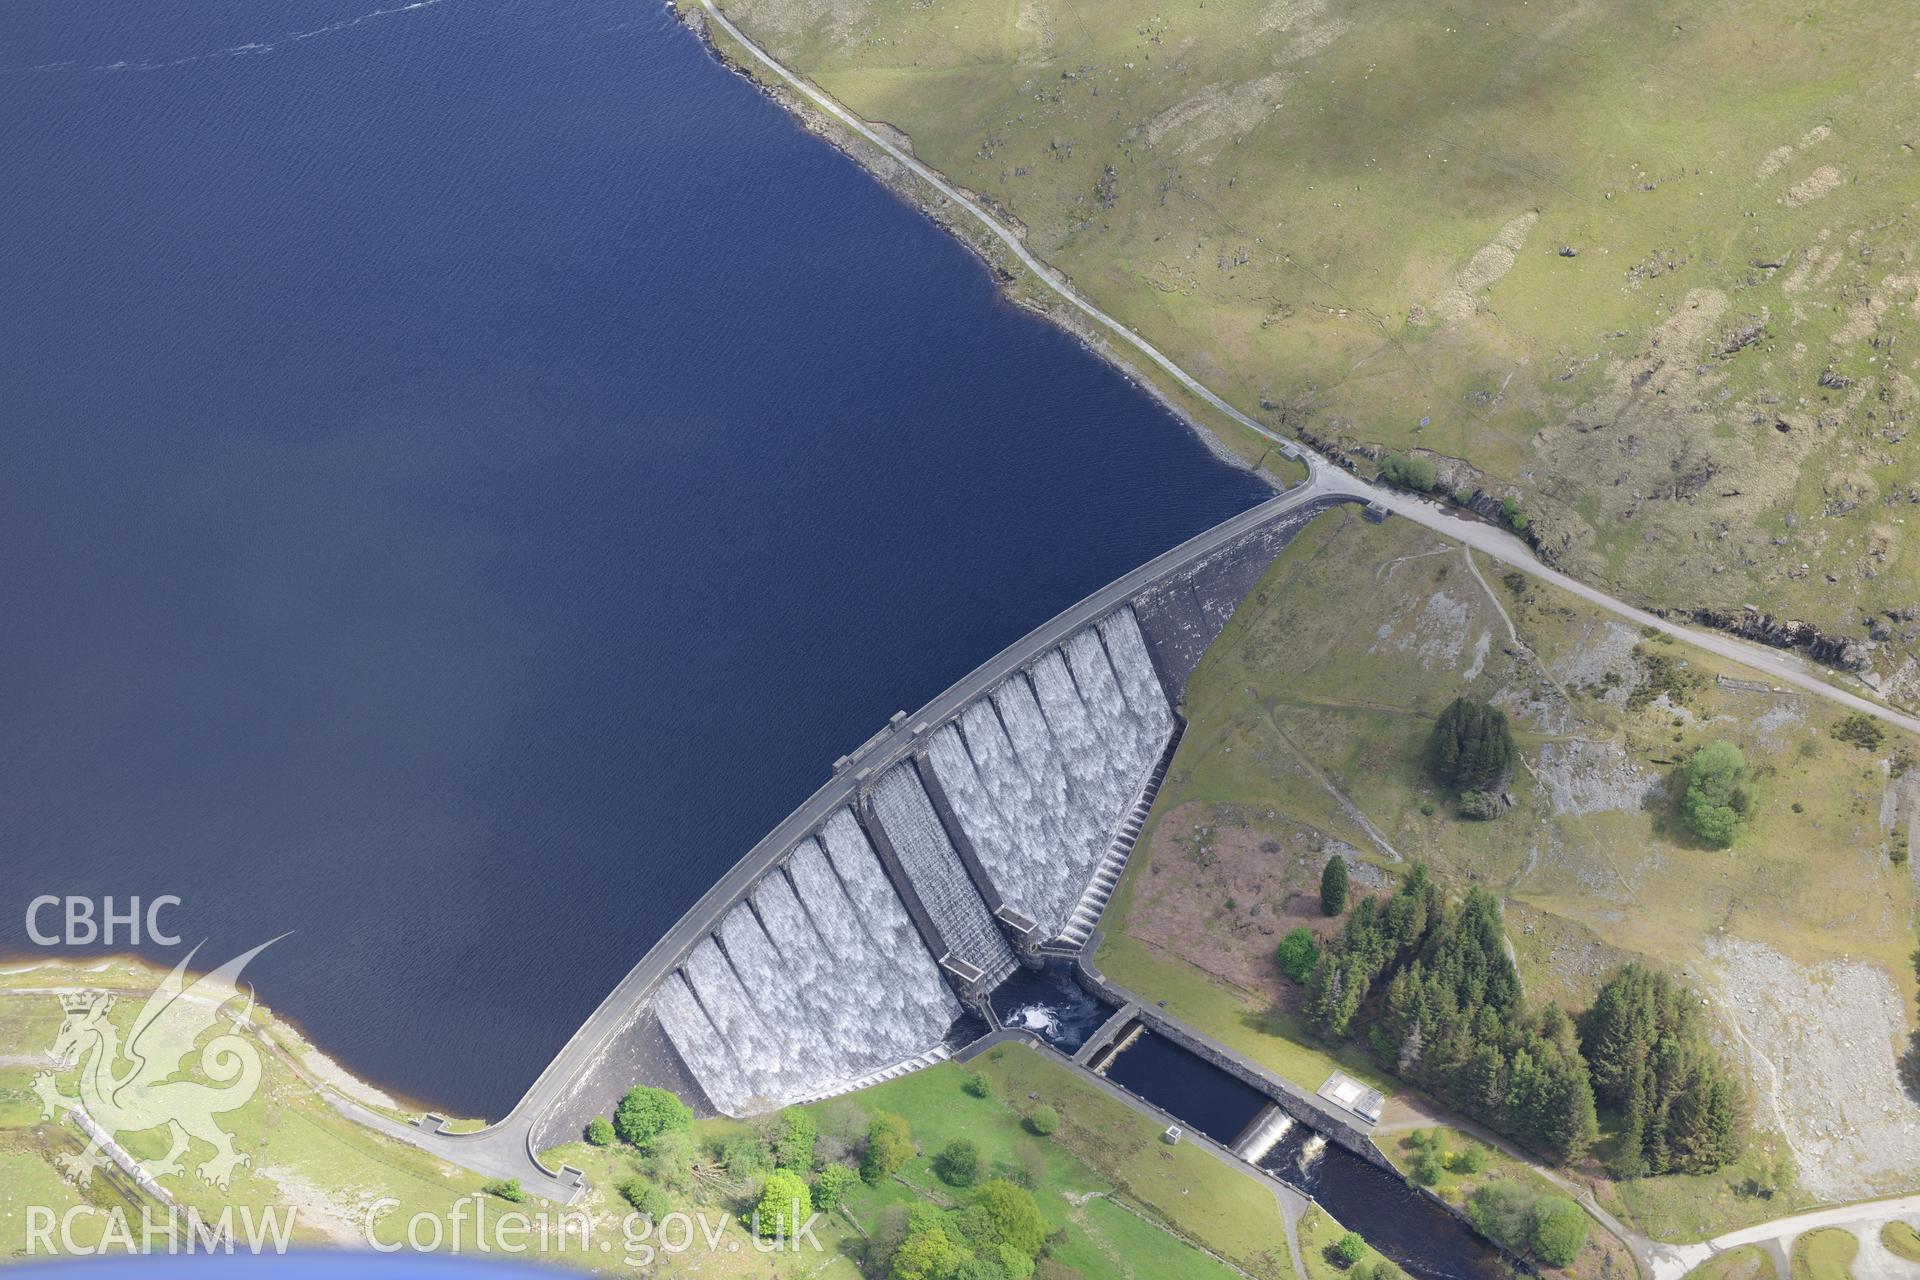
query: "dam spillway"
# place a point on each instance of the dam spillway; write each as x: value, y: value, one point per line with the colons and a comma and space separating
x: 939, y: 878
x: 849, y: 944
x: 814, y: 983
x: 1042, y: 769
x: 852, y: 955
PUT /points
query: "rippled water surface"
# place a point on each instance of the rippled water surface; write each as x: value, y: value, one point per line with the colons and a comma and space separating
x: 469, y: 467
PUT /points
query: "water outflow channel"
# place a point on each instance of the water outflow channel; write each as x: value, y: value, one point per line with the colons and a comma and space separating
x: 1049, y: 1003
x: 1423, y: 1238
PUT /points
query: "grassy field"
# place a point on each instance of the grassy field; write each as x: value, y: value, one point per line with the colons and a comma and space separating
x: 1306, y: 730
x: 1900, y: 1238
x: 1824, y: 1254
x: 1127, y: 1205
x: 1649, y: 268
x: 1748, y: 1262
x: 1319, y: 1232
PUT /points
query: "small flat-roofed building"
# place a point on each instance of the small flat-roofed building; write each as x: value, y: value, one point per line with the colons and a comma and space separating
x: 1343, y: 1091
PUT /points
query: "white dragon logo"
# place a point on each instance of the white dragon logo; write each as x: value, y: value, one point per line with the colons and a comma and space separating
x: 140, y: 1094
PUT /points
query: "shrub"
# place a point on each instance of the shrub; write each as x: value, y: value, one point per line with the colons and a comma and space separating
x: 793, y: 1141
x: 1515, y: 518
x: 508, y: 1189
x: 1349, y: 1249
x: 1716, y: 801
x: 669, y: 1160
x: 1409, y: 472
x: 1503, y: 1212
x: 831, y: 1187
x: 1559, y: 1230
x: 928, y: 1253
x: 744, y: 1155
x: 976, y: 1086
x: 1000, y: 1213
x: 1297, y: 953
x: 784, y: 1204
x: 1471, y: 747
x: 1862, y: 730
x: 646, y: 1198
x: 1044, y: 1120
x: 600, y: 1131
x: 1430, y: 1167
x: 889, y: 1145
x: 646, y: 1113
x: 1472, y: 1160
x: 1014, y: 1264
x: 958, y: 1163
x: 1333, y: 886
x: 1481, y: 806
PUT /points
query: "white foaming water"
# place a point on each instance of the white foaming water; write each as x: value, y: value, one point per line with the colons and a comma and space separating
x: 701, y: 1047
x: 1015, y: 854
x: 1034, y: 1017
x: 1041, y: 771
x: 901, y: 985
x: 820, y: 982
x: 806, y: 1053
x: 1127, y: 649
x: 994, y: 805
x: 1273, y: 1127
x: 1311, y: 1150
x: 878, y: 909
x: 734, y: 1017
x: 1107, y: 706
x: 1088, y: 761
x: 1038, y: 757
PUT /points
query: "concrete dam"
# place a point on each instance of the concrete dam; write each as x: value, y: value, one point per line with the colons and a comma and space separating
x: 862, y: 937
x: 845, y: 961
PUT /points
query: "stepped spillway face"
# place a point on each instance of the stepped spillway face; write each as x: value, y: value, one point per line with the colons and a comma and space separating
x: 814, y: 983
x: 1041, y: 772
x: 938, y: 876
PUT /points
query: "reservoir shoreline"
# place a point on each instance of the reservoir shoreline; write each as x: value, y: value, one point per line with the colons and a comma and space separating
x: 1247, y: 453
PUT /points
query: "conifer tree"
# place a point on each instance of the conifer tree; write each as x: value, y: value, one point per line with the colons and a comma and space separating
x: 1333, y: 886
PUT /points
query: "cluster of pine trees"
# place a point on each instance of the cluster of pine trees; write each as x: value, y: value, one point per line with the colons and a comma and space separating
x: 1450, y: 1016
x: 1471, y: 747
x: 1429, y: 983
x: 1680, y: 1109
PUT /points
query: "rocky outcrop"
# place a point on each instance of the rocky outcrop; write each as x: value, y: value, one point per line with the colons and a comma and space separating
x: 1750, y: 624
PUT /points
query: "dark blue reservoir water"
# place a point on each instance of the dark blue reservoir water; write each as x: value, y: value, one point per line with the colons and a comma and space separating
x: 465, y: 471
